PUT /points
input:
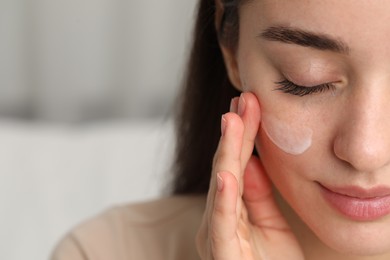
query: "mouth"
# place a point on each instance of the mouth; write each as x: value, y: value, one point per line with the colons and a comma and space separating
x: 357, y: 203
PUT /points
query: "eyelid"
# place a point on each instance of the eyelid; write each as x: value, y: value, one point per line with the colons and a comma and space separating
x: 288, y: 87
x: 307, y: 78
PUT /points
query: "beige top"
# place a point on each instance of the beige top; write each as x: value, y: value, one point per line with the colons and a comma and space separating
x: 162, y: 229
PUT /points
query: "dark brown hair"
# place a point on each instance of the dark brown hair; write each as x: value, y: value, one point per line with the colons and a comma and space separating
x: 206, y: 95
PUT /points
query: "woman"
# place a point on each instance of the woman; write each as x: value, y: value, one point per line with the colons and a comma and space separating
x: 315, y: 88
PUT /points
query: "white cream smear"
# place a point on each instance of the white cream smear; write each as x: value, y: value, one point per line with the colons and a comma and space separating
x: 291, y: 138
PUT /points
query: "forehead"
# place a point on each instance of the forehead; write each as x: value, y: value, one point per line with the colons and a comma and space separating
x: 362, y: 24
x: 318, y: 12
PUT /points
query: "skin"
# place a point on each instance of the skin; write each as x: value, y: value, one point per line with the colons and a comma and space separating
x: 242, y: 219
x: 289, y: 137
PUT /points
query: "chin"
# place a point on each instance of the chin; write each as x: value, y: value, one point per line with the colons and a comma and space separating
x: 356, y: 238
x: 338, y: 232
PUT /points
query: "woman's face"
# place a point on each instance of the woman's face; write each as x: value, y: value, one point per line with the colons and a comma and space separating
x: 321, y: 72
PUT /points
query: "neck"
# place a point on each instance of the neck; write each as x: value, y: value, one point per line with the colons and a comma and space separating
x: 312, y: 246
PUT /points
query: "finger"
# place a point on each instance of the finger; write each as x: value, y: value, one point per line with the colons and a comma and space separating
x: 228, y: 154
x: 234, y: 105
x: 233, y: 109
x: 226, y: 159
x: 224, y: 222
x: 249, y: 111
x: 258, y: 197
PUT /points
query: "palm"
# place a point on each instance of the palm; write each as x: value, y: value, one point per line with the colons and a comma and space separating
x: 266, y: 235
x: 279, y: 244
x: 241, y: 220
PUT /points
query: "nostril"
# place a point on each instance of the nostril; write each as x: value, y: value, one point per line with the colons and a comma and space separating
x: 362, y: 154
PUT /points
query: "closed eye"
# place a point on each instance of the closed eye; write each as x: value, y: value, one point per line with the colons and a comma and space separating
x: 289, y: 87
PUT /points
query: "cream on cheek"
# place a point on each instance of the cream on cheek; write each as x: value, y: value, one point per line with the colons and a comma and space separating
x: 289, y: 133
x: 291, y: 137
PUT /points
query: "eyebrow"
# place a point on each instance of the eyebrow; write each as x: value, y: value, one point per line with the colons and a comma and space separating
x: 304, y: 38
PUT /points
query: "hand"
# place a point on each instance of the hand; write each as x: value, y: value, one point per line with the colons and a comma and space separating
x: 242, y: 220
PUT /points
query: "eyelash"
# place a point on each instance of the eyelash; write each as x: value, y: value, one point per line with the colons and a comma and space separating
x: 289, y: 87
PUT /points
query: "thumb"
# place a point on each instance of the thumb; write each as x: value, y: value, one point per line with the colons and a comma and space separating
x: 258, y: 197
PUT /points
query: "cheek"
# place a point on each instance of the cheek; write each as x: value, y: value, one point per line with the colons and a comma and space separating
x: 291, y: 137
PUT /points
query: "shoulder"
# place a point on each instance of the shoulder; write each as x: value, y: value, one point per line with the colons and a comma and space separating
x: 160, y: 229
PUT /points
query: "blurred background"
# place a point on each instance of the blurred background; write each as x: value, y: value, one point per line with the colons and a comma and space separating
x: 86, y: 95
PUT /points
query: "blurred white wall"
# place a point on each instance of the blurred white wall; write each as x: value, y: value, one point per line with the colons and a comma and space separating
x: 82, y: 61
x: 54, y: 177
x: 74, y: 60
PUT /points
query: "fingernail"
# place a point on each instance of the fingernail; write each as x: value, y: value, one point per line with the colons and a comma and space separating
x: 241, y: 105
x: 223, y: 125
x: 233, y: 105
x: 219, y: 183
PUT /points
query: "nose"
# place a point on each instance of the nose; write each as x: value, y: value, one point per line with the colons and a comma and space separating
x: 363, y: 138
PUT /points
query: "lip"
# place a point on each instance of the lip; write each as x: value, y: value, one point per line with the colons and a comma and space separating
x: 358, y: 203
